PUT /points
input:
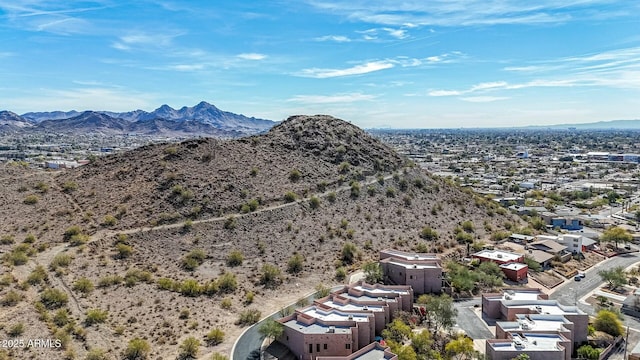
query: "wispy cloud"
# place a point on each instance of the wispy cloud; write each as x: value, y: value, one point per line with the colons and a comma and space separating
x: 336, y: 38
x: 354, y: 70
x: 252, y: 56
x: 483, y: 99
x: 144, y: 40
x: 378, y: 65
x: 61, y: 18
x: 471, y: 12
x: 331, y: 99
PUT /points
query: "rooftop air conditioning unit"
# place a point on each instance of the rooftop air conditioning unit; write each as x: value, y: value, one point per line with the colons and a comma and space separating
x: 350, y: 317
x: 500, y: 256
x: 507, y: 297
x: 379, y: 298
x: 365, y: 307
x: 331, y: 329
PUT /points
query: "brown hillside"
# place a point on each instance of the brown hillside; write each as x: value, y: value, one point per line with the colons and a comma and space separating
x: 351, y: 188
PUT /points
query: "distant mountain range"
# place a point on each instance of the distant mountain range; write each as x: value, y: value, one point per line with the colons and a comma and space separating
x: 599, y: 125
x: 203, y: 119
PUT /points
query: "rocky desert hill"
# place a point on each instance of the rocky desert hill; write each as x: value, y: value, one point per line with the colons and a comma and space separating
x: 173, y: 240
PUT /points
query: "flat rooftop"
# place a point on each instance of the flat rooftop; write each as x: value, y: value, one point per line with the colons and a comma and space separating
x: 520, y: 295
x: 545, y: 323
x: 550, y: 309
x: 530, y: 342
x: 373, y: 354
x: 367, y: 298
x: 334, y: 315
x: 353, y: 307
x: 381, y: 290
x: 414, y: 266
x: 513, y: 266
x: 410, y: 256
x: 498, y: 255
x: 316, y: 328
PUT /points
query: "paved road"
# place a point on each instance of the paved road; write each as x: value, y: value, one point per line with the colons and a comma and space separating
x: 468, y: 320
x: 569, y: 293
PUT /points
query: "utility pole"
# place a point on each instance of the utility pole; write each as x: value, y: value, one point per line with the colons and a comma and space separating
x: 625, y: 344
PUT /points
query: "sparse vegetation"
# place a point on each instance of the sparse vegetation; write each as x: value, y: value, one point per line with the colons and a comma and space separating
x: 271, y: 275
x: 235, y: 258
x: 295, y: 264
x: 249, y: 317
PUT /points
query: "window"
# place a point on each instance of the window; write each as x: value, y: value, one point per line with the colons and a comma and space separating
x: 325, y: 346
x: 347, y: 346
x: 317, y: 347
x: 410, y: 277
x: 310, y: 348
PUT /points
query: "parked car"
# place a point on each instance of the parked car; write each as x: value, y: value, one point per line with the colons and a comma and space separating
x: 577, y: 278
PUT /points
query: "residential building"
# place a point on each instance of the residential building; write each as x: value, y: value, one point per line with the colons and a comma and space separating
x: 515, y: 271
x: 573, y: 243
x: 536, y: 346
x: 421, y: 271
x: 373, y: 351
x: 498, y: 256
x: 537, y: 324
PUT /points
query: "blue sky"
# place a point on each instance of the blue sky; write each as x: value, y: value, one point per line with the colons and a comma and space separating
x: 413, y: 63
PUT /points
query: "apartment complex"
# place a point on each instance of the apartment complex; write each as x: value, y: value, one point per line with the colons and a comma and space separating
x: 421, y: 271
x: 533, y: 324
x: 344, y: 324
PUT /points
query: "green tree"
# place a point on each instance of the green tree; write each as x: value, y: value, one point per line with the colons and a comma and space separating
x: 615, y: 277
x: 137, y: 349
x: 532, y: 264
x: 588, y: 352
x: 460, y: 348
x: 373, y: 272
x: 397, y: 331
x: 522, y: 356
x: 189, y: 348
x: 422, y: 343
x: 271, y: 329
x: 607, y: 321
x: 616, y: 234
x: 440, y: 312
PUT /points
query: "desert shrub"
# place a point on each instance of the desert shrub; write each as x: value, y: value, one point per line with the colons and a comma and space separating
x: 16, y: 330
x: 167, y: 284
x: 428, y: 233
x: 214, y: 337
x: 31, y: 199
x: 249, y: 297
x: 110, y: 280
x: 230, y: 223
x: 218, y: 356
x: 249, y: 317
x: 61, y: 317
x: 193, y: 259
x: 227, y: 283
x: 355, y: 189
x: 322, y: 291
x: 96, y: 354
x: 96, y: 316
x: 468, y: 226
x: 235, y: 258
x: 341, y: 273
x: 53, y: 298
x: 290, y: 196
x: 72, y: 230
x: 7, y: 240
x: 60, y: 260
x: 331, y: 197
x: 16, y: 257
x: 295, y: 175
x: 137, y: 349
x: 11, y: 298
x: 295, y: 264
x: 390, y: 192
x: 190, y: 287
x: 123, y: 251
x: 133, y: 276
x: 83, y: 285
x: 349, y: 252
x: 464, y: 237
x: 314, y: 202
x: 38, y: 276
x: 109, y: 220
x: 69, y: 186
x: 78, y: 239
x: 29, y: 239
x: 270, y: 276
x: 189, y: 348
x: 226, y: 303
x: 171, y: 150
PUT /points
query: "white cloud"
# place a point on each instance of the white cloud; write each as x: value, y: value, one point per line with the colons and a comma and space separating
x: 396, y: 33
x: 472, y: 12
x: 331, y: 99
x: 144, y: 41
x: 252, y: 56
x: 445, y: 93
x: 355, y: 70
x: 336, y: 38
x: 482, y: 99
x: 187, y: 67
